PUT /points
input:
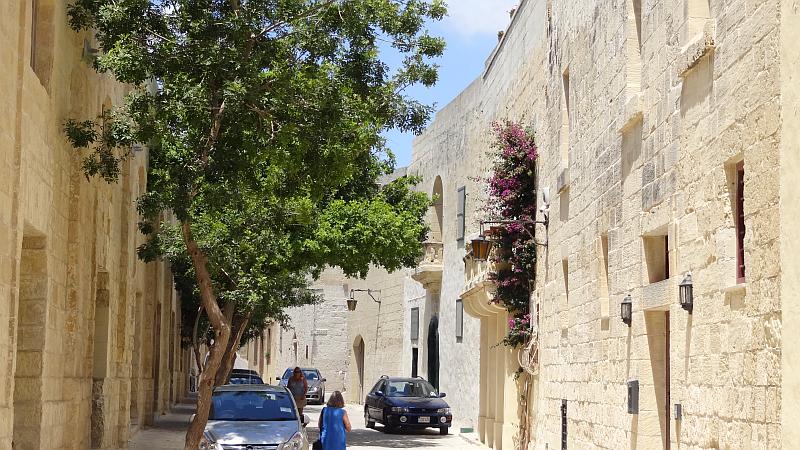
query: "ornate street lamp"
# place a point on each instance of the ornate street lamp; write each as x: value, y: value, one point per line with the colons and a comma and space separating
x: 481, y: 247
x: 686, y: 294
x: 626, y: 310
x: 352, y: 302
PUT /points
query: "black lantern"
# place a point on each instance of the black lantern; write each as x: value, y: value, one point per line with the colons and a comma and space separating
x: 480, y: 248
x: 686, y: 294
x: 626, y: 309
x: 351, y: 304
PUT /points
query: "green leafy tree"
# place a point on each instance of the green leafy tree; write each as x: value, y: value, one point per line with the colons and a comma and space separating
x: 263, y: 120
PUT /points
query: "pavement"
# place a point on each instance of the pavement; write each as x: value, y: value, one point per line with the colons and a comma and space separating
x: 168, y: 432
x: 363, y: 438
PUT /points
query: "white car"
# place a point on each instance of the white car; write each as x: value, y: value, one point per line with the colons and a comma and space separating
x: 254, y: 417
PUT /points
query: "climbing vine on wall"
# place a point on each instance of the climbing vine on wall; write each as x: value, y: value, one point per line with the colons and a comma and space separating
x: 512, y: 196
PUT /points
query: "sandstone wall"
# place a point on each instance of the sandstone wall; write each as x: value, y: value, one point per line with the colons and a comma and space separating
x: 659, y: 112
x: 78, y: 359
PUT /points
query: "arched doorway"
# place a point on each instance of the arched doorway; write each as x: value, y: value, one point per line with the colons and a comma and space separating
x: 433, y: 351
x: 358, y: 353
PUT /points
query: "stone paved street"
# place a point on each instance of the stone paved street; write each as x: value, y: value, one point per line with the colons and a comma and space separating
x: 363, y: 438
x: 168, y: 433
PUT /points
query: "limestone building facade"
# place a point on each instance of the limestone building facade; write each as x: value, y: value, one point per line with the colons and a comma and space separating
x: 90, y: 350
x: 666, y: 133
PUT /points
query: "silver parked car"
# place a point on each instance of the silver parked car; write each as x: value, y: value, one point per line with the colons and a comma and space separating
x: 254, y: 417
x: 316, y: 384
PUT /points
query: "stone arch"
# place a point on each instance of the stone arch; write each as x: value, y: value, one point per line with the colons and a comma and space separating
x: 30, y: 344
x: 359, y: 354
x: 436, y: 211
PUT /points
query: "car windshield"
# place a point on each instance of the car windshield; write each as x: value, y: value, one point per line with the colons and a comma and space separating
x: 311, y: 374
x: 415, y: 388
x: 287, y: 374
x: 252, y: 406
x: 244, y: 379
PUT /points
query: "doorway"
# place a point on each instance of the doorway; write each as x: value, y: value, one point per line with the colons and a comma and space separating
x: 414, y: 362
x: 657, y: 323
x: 433, y: 351
x: 358, y: 352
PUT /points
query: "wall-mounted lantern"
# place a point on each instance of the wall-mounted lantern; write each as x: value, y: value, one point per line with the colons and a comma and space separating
x: 481, y: 247
x: 626, y: 310
x: 352, y: 302
x: 686, y: 293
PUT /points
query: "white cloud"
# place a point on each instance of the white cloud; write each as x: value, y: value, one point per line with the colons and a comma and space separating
x: 473, y: 17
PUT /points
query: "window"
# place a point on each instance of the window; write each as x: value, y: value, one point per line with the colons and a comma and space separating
x: 306, y: 352
x: 633, y: 48
x: 462, y: 206
x: 459, y: 320
x: 697, y: 13
x: 414, y: 324
x: 42, y: 40
x: 740, y: 227
x: 565, y: 119
x: 656, y: 253
x: 565, y: 270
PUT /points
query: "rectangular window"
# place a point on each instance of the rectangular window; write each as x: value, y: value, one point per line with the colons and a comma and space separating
x: 565, y: 119
x: 656, y: 253
x: 461, y: 213
x: 459, y: 320
x: 414, y: 362
x: 414, y: 324
x: 740, y: 227
x: 565, y: 270
x: 633, y: 46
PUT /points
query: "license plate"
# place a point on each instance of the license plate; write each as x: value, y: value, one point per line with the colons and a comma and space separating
x: 423, y: 420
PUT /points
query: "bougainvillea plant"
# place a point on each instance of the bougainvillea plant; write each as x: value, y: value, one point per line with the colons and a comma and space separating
x: 512, y: 196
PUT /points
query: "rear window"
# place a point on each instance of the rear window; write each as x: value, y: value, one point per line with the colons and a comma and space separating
x: 252, y: 406
x: 245, y: 380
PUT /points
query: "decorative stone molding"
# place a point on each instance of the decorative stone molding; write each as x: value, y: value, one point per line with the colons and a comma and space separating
x: 429, y: 270
x: 696, y: 50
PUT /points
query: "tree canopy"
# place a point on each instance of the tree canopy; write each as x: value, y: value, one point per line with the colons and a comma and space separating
x: 263, y: 120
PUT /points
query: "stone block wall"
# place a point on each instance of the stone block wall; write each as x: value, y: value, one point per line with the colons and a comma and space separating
x: 77, y: 364
x: 640, y: 161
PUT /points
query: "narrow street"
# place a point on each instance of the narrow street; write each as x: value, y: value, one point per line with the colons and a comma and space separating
x: 169, y: 430
x: 365, y: 439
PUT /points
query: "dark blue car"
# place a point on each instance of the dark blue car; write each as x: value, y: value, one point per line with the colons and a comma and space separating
x: 406, y: 403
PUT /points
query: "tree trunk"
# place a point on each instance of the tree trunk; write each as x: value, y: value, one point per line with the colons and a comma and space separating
x: 229, y: 359
x: 195, y: 344
x: 222, y: 333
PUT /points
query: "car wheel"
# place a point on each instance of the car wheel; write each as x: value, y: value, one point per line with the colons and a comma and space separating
x: 369, y: 423
x: 444, y: 430
x: 322, y: 398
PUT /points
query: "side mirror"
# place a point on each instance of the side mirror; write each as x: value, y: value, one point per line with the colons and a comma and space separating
x: 191, y: 419
x: 306, y: 420
x: 378, y: 394
x: 324, y: 380
x: 277, y: 378
x: 442, y: 395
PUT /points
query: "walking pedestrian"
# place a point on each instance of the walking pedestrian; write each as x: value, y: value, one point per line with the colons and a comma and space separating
x: 334, y: 424
x: 298, y: 386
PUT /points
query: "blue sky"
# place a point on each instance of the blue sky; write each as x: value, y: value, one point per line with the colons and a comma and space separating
x: 470, y: 31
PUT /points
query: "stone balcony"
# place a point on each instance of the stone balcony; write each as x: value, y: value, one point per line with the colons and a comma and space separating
x: 429, y: 270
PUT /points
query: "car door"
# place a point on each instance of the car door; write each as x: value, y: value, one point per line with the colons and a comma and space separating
x: 374, y: 409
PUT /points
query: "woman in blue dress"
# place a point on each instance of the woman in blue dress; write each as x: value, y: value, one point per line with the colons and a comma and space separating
x: 334, y: 423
